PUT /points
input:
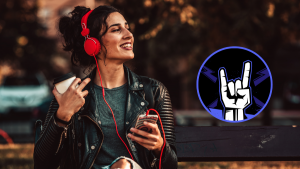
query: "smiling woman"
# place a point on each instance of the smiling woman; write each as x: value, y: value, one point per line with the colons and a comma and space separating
x: 118, y: 40
x: 92, y: 126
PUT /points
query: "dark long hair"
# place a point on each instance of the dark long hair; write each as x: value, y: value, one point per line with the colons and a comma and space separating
x: 70, y: 28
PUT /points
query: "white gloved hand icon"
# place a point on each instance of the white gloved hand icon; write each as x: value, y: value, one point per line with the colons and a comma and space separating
x: 235, y: 95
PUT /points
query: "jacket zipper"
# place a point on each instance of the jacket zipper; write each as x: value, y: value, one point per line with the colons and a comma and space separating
x: 129, y: 144
x: 63, y: 133
x: 130, y: 125
x: 153, y: 162
x: 101, y: 141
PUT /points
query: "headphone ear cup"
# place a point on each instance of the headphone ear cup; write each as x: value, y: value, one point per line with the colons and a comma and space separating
x: 92, y: 46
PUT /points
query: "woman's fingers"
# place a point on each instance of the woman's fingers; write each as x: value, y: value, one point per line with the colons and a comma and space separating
x: 153, y: 141
x: 85, y: 93
x: 144, y: 133
x: 147, y: 146
x: 83, y: 84
x: 74, y: 83
x: 73, y: 99
x: 154, y: 127
x: 141, y: 140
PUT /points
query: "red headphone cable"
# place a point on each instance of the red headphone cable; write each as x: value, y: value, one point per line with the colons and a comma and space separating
x: 92, y: 47
x: 103, y: 94
x: 162, y: 128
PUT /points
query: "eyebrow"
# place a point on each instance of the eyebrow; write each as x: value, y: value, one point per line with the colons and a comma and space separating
x: 117, y: 24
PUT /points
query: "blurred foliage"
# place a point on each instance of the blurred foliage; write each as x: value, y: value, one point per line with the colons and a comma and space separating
x: 22, y: 38
x: 178, y: 26
x: 173, y: 38
x: 176, y: 36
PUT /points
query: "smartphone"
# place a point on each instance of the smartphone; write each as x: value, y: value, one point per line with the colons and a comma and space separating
x: 140, y: 123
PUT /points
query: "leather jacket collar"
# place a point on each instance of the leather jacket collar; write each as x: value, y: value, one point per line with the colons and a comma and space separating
x: 131, y: 109
x: 135, y: 106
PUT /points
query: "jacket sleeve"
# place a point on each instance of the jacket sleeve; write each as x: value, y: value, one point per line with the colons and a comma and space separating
x: 49, y: 147
x: 164, y: 108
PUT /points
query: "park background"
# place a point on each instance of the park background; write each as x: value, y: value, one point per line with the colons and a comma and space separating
x: 172, y: 40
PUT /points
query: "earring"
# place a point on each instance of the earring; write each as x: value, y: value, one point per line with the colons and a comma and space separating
x: 104, y: 61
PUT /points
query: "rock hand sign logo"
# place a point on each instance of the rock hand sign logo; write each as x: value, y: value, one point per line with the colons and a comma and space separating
x: 235, y: 94
x: 234, y: 84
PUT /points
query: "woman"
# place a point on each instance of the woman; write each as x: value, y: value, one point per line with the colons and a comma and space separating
x: 81, y: 133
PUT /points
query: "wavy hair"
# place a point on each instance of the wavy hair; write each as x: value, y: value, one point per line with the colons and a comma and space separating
x: 70, y: 28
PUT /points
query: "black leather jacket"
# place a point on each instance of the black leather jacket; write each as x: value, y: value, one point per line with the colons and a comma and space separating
x: 78, y: 144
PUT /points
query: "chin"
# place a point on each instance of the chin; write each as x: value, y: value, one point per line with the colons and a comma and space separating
x: 132, y: 56
x: 129, y: 57
x: 125, y: 58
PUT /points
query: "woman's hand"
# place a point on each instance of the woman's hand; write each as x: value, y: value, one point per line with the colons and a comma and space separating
x: 153, y: 140
x: 72, y: 100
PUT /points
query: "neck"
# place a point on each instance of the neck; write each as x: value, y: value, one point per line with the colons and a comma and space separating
x: 112, y: 74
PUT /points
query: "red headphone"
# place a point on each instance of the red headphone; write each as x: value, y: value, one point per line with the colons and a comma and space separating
x: 92, y: 48
x: 91, y: 45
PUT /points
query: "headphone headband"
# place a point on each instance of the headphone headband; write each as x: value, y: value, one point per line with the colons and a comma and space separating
x: 85, y: 31
x: 91, y: 45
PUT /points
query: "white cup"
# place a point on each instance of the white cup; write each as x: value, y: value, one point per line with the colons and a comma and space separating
x: 62, y: 83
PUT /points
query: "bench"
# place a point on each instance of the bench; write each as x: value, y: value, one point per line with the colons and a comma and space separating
x: 234, y: 143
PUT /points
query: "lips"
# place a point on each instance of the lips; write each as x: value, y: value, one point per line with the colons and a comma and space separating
x: 126, y: 46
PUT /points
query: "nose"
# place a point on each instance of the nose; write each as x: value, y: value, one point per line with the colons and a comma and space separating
x: 127, y: 34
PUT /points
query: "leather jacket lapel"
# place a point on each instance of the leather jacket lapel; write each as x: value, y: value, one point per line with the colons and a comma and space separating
x: 135, y: 106
x: 134, y: 101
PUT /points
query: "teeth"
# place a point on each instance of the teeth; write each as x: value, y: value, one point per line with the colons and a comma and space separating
x: 126, y: 45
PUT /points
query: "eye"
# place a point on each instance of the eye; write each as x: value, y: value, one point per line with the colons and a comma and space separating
x: 116, y: 30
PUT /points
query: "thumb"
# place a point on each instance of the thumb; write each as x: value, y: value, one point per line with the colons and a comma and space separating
x: 55, y: 93
x: 243, y: 92
x: 153, y: 127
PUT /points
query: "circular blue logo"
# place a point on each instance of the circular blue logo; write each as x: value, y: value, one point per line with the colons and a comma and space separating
x: 234, y: 84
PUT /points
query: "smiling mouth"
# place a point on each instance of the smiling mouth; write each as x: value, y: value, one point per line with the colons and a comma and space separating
x: 126, y: 46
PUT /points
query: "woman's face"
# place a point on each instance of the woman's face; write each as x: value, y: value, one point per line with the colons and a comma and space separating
x: 118, y: 40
